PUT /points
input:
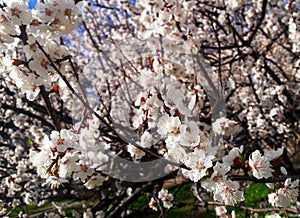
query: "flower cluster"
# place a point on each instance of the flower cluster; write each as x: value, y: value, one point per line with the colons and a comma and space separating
x: 221, y: 211
x: 165, y: 197
x: 48, y: 20
x: 73, y: 153
x: 145, y: 66
x: 286, y: 195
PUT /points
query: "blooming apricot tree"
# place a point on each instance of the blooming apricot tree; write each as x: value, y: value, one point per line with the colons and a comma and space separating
x: 108, y: 101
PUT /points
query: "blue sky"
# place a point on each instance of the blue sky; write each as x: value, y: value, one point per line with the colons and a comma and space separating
x: 32, y: 4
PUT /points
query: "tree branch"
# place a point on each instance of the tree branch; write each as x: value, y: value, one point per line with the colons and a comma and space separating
x: 116, y: 212
x: 256, y: 210
x: 51, y: 111
x: 52, y: 64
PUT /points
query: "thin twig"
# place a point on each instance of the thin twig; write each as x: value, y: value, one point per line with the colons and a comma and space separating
x: 52, y: 64
x: 51, y: 111
x: 116, y: 212
x: 256, y: 210
x: 281, y: 178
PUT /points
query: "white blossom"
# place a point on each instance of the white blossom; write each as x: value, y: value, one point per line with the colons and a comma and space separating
x: 199, y: 162
x: 135, y: 153
x: 220, y: 211
x: 94, y: 181
x: 153, y: 204
x: 285, y: 196
x: 224, y: 126
x: 260, y: 165
x: 274, y: 215
x: 168, y: 125
x: 232, y: 155
x: 228, y: 193
x: 166, y: 198
x: 189, y: 134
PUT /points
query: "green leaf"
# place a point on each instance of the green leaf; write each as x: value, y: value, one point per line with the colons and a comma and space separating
x: 30, y: 141
x: 256, y: 193
x: 142, y: 201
